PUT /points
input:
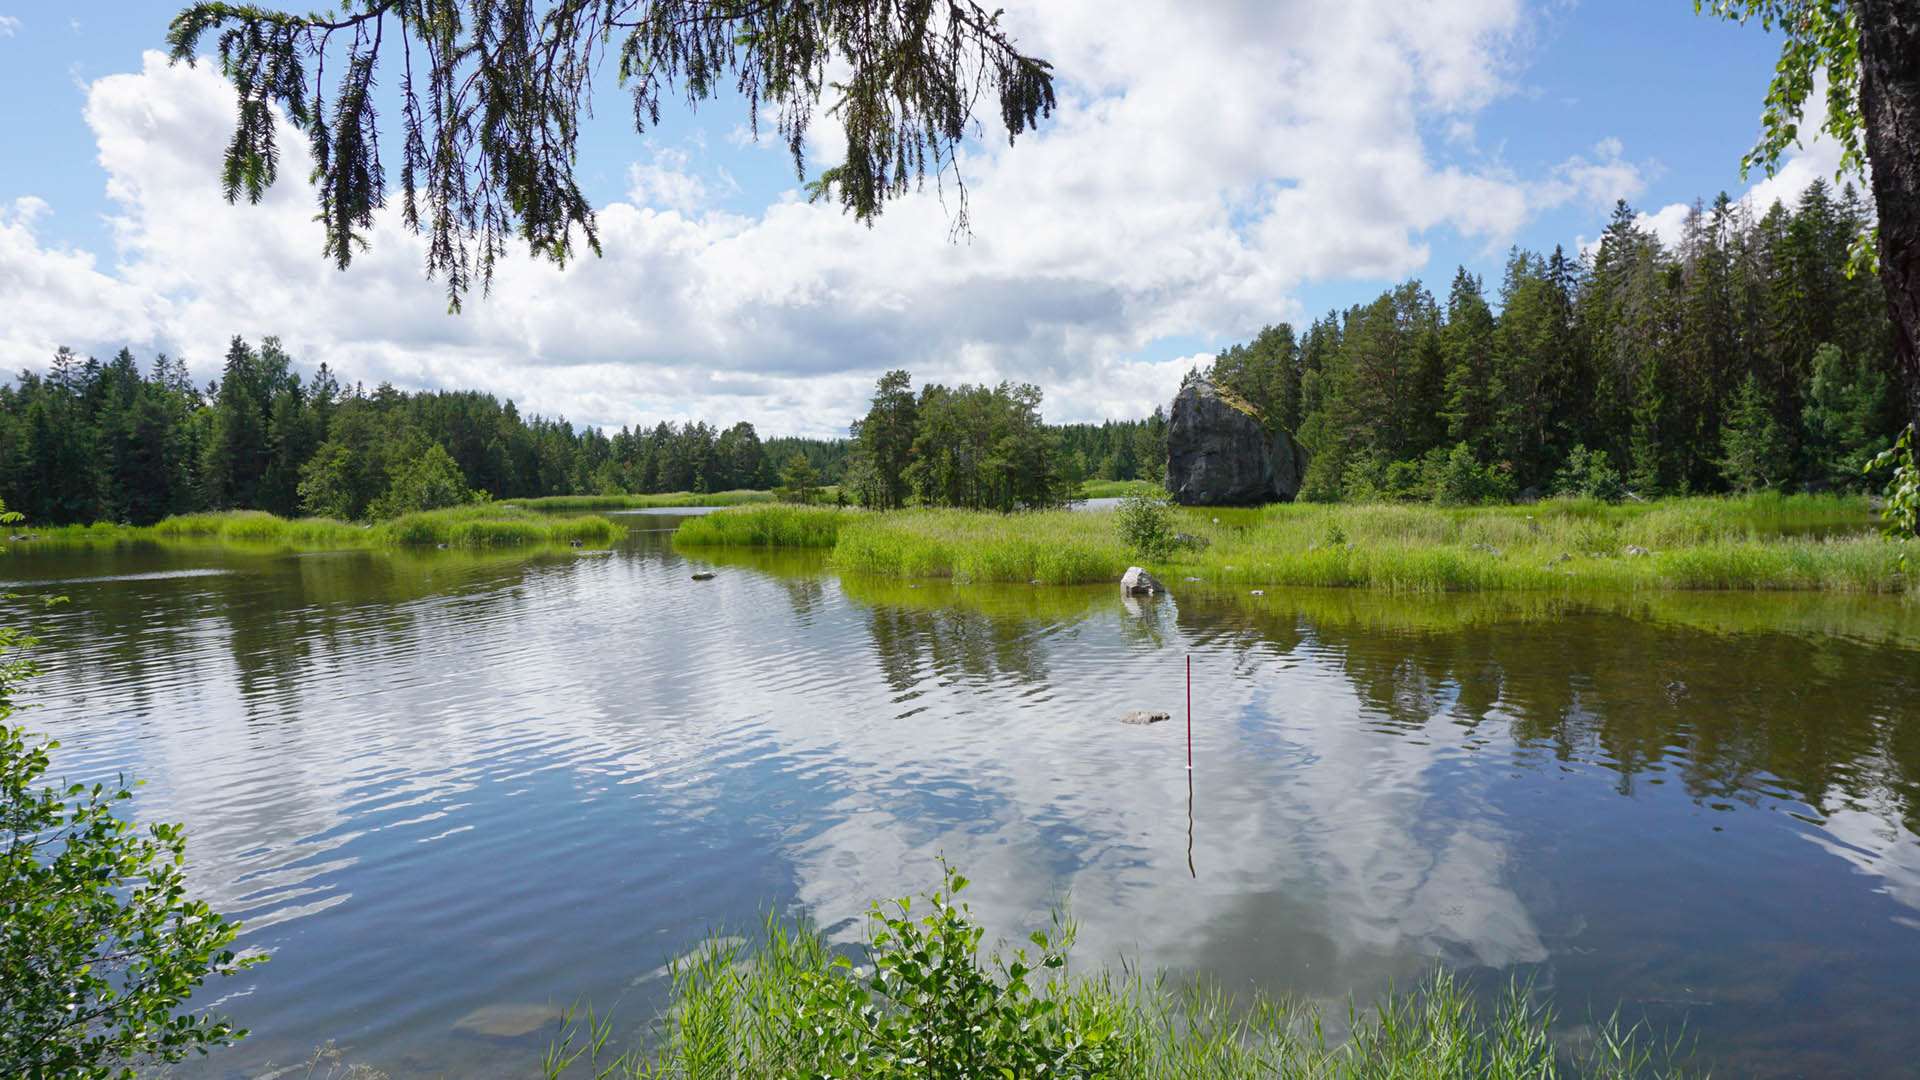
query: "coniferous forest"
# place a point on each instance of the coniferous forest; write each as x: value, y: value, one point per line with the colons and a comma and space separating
x: 1742, y: 357
x: 92, y: 441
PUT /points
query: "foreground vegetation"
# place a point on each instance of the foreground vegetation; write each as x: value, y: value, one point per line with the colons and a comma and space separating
x: 101, y: 944
x: 1766, y: 541
x: 920, y: 1001
x: 481, y: 525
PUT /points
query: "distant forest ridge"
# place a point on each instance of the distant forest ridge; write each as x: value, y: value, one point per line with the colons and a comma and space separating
x: 1742, y: 357
x: 92, y: 441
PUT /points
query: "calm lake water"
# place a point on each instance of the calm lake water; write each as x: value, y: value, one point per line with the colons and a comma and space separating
x: 435, y: 782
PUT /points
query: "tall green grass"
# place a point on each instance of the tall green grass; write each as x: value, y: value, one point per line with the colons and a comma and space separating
x: 736, y: 497
x: 775, y: 525
x: 1770, y: 542
x: 479, y: 525
x: 920, y: 1001
x: 1116, y: 489
x: 1053, y: 547
x: 1765, y: 542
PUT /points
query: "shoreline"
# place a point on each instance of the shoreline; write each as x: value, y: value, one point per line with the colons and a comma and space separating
x: 1771, y: 543
x: 481, y: 525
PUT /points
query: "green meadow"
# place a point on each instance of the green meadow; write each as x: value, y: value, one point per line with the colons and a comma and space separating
x: 1765, y: 542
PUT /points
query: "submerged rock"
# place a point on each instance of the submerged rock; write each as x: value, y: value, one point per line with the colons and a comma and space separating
x: 1137, y: 582
x: 507, y: 1021
x: 1220, y: 453
x: 703, y: 575
x: 1141, y: 716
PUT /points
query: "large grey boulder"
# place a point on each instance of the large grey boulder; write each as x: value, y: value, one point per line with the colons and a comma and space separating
x: 1219, y: 453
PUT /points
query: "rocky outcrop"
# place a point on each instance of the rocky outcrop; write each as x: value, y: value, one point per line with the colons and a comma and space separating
x: 1219, y: 453
x: 1137, y: 582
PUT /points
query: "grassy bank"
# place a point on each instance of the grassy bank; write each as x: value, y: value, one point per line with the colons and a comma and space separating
x: 1116, y: 489
x: 1766, y: 542
x: 1769, y: 542
x: 486, y: 525
x: 919, y: 1000
x: 552, y: 503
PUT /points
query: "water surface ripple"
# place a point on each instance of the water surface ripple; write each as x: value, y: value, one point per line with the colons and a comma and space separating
x: 432, y: 782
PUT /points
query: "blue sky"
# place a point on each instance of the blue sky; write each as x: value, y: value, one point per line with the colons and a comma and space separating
x: 1214, y: 167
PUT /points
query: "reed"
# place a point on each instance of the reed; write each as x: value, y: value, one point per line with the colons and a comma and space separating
x: 1052, y: 547
x: 480, y: 525
x: 773, y: 525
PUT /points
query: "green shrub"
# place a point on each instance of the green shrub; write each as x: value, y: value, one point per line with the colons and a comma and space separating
x: 100, y: 946
x: 1589, y: 474
x: 1902, y: 509
x: 931, y: 1009
x: 922, y: 1003
x: 430, y: 480
x: 1145, y: 525
x: 1463, y: 481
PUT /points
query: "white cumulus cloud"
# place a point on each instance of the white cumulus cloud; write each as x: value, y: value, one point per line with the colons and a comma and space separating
x: 1206, y: 162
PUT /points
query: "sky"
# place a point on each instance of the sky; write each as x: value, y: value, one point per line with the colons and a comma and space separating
x: 1214, y: 166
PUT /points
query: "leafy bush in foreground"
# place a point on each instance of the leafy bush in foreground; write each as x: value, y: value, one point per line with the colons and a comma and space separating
x: 100, y: 946
x: 924, y: 1005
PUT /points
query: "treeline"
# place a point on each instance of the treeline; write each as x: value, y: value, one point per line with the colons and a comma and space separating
x: 1117, y: 449
x: 976, y: 447
x: 93, y: 441
x: 1743, y: 357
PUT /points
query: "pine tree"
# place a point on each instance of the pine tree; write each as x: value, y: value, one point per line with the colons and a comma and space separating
x: 1467, y: 355
x: 1753, y: 443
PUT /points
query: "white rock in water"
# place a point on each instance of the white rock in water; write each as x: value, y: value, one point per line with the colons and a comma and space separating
x: 1136, y: 581
x: 507, y: 1021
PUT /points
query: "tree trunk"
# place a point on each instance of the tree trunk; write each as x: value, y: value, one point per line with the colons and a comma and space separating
x: 1890, y: 106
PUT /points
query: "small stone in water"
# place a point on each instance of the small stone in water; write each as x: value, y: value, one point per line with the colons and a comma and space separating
x: 1141, y: 716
